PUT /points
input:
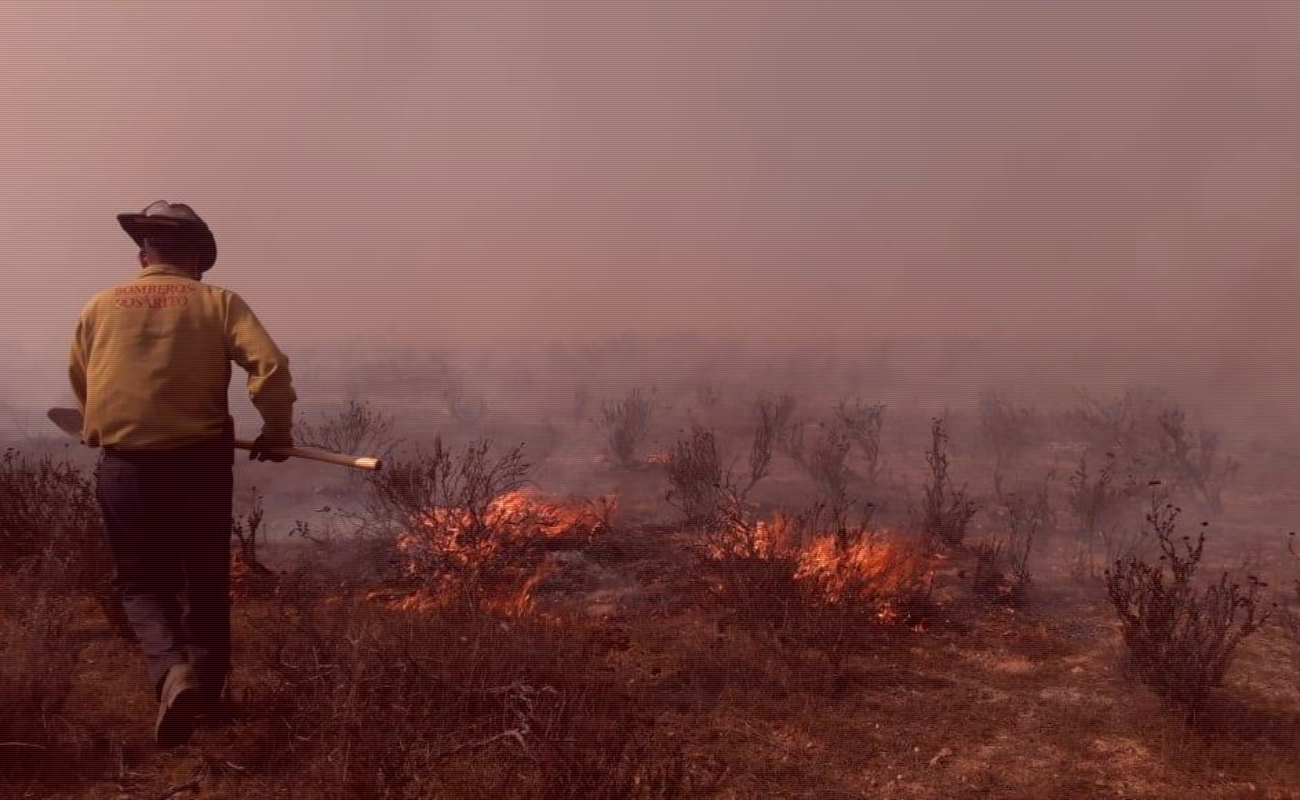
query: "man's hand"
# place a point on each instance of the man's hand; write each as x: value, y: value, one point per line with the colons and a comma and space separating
x: 262, y: 446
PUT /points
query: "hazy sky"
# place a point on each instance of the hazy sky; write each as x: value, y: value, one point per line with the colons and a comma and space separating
x: 588, y: 167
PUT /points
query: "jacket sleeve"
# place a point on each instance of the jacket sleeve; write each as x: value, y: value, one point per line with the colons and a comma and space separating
x: 77, y: 361
x: 270, y: 385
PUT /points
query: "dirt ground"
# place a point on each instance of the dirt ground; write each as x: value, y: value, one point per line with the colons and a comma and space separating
x: 617, y: 665
x: 977, y: 701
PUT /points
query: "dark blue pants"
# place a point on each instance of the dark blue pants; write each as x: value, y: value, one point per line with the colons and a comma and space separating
x: 168, y: 518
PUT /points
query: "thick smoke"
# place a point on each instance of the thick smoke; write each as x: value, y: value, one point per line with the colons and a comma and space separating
x: 1087, y: 175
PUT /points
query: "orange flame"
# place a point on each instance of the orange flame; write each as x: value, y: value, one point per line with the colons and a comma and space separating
x: 875, y: 567
x: 446, y: 539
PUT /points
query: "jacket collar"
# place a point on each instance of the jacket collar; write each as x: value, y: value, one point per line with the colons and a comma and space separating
x: 164, y: 269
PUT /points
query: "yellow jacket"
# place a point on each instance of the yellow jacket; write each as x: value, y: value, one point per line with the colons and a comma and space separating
x: 150, y: 364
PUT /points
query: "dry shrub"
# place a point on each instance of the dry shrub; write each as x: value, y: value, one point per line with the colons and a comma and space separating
x: 1002, y: 570
x: 1195, y: 458
x: 247, y: 572
x: 695, y: 474
x: 701, y: 489
x: 38, y: 656
x: 823, y: 457
x: 383, y: 703
x: 1180, y: 638
x: 1009, y: 429
x: 50, y: 524
x: 355, y: 428
x: 436, y: 506
x: 863, y: 424
x: 1100, y: 502
x: 946, y: 510
x: 626, y: 424
x: 461, y: 523
x: 52, y: 535
x: 1002, y: 563
x: 464, y: 406
x: 821, y: 576
x: 1126, y: 425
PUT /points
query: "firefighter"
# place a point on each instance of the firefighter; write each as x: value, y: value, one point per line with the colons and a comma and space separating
x: 150, y: 366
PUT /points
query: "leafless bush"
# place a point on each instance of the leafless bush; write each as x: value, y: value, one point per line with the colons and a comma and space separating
x: 1002, y: 565
x: 1095, y: 496
x: 355, y: 428
x: 1124, y: 542
x: 706, y: 493
x: 1009, y: 428
x: 247, y: 570
x: 1196, y: 458
x: 696, y: 476
x: 1123, y: 425
x: 465, y: 406
x: 626, y: 424
x: 864, y: 423
x: 771, y: 423
x: 988, y: 578
x: 946, y: 511
x: 824, y: 457
x: 708, y: 396
x: 1180, y: 638
x: 436, y: 505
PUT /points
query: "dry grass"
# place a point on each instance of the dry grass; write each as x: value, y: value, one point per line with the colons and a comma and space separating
x: 813, y: 655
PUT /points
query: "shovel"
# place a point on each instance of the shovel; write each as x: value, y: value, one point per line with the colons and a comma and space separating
x: 70, y: 422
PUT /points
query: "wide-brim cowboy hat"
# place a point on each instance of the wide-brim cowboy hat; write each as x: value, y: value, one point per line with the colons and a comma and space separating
x: 172, y: 219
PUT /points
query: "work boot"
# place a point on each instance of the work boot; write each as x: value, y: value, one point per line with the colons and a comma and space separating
x: 219, y: 706
x: 183, y: 699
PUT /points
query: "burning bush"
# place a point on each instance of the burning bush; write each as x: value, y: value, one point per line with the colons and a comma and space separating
x: 438, y: 506
x: 1180, y: 639
x: 456, y: 520
x: 820, y: 572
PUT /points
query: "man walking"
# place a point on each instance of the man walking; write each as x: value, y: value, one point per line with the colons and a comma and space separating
x: 150, y: 366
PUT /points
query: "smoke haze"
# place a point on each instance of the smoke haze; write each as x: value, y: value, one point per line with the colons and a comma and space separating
x: 432, y: 173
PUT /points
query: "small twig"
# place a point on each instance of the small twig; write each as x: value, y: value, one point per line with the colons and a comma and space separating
x: 192, y: 786
x: 516, y: 734
x: 23, y: 744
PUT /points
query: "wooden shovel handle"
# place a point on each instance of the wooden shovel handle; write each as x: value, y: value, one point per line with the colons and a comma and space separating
x: 316, y: 454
